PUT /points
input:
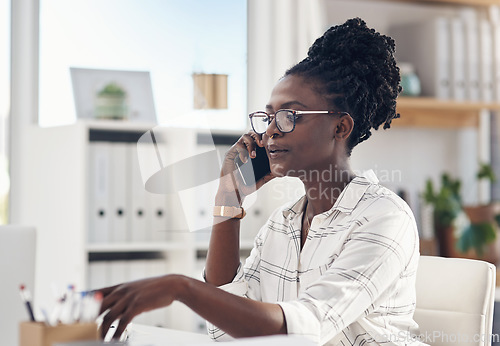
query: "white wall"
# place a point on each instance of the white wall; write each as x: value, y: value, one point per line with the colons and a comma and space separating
x: 403, y: 158
x: 411, y: 155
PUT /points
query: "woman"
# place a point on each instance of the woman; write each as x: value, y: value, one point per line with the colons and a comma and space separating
x: 337, y: 266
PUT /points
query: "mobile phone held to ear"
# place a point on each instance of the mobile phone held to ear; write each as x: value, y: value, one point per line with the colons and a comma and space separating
x: 255, y: 169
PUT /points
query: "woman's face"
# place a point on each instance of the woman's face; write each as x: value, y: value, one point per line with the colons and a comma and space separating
x: 311, y: 145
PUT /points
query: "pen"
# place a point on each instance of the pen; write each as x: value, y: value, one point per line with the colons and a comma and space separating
x: 56, y: 312
x: 25, y: 296
x: 46, y: 317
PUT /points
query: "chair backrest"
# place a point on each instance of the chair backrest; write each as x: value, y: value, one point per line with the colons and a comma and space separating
x: 455, y: 299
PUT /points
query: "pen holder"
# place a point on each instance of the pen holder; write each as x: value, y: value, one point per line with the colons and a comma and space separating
x: 39, y: 334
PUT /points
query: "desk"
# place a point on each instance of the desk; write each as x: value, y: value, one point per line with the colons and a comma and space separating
x: 140, y: 335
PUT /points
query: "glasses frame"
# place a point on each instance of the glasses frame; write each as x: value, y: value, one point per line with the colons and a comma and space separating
x: 272, y: 116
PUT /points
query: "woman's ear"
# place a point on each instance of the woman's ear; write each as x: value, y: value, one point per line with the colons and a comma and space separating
x: 344, y: 127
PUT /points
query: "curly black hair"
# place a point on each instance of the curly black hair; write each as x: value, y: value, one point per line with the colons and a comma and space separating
x: 357, y: 72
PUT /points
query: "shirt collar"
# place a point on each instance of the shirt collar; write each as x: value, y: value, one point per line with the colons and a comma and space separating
x: 348, y: 199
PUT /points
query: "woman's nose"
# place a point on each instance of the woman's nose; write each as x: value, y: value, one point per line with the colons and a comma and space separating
x: 272, y: 129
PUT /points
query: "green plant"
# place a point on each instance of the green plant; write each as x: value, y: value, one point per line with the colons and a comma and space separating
x: 481, y: 230
x: 475, y: 233
x: 112, y: 89
x: 486, y: 172
x: 476, y: 236
x: 446, y: 201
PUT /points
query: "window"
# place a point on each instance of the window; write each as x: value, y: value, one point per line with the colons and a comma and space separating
x: 172, y: 39
x: 4, y: 105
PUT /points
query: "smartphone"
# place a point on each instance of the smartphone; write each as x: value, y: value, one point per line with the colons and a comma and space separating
x: 255, y: 169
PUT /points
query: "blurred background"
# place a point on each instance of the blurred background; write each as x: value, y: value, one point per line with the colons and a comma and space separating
x: 90, y: 90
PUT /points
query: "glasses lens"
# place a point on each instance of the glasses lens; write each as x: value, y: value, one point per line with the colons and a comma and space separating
x: 285, y: 120
x: 259, y: 122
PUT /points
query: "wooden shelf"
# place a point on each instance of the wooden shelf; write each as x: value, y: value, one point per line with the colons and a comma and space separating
x: 430, y: 112
x: 455, y: 2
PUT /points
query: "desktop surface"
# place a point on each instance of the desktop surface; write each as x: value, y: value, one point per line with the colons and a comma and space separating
x: 140, y: 335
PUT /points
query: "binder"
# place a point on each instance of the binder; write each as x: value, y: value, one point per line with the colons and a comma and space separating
x: 99, y: 186
x: 471, y: 42
x: 119, y: 192
x: 197, y: 203
x: 137, y: 206
x: 150, y: 152
x: 496, y: 61
x: 138, y: 269
x: 158, y: 317
x: 426, y: 45
x: 97, y: 275
x: 486, y: 74
x: 158, y: 216
x: 118, y: 272
x: 458, y: 62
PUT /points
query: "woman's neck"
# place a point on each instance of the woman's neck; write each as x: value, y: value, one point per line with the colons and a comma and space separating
x: 324, y: 187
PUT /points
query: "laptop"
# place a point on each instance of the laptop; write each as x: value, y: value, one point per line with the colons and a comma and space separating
x: 17, y: 266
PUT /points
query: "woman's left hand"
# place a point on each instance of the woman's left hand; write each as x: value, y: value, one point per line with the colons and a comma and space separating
x: 125, y: 301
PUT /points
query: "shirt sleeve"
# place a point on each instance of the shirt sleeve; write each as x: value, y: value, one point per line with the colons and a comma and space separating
x: 246, y: 283
x: 374, y: 257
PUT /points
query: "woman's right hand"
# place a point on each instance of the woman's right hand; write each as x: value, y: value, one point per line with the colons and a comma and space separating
x: 231, y: 185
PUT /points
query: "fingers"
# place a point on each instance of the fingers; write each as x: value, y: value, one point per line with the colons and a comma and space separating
x: 125, y: 319
x: 246, y: 145
x: 112, y: 315
x: 133, y: 298
x: 112, y: 295
x: 106, y: 290
x: 244, y: 148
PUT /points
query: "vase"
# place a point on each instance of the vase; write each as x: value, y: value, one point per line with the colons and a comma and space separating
x: 445, y: 236
x: 485, y: 214
x: 410, y: 82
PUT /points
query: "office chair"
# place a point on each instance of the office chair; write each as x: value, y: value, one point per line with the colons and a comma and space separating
x: 455, y: 299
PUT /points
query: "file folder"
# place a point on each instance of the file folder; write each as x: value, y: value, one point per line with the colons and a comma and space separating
x: 158, y: 267
x: 119, y: 192
x: 486, y: 61
x: 471, y: 41
x: 118, y: 272
x: 99, y: 186
x: 458, y: 62
x: 97, y: 275
x: 138, y: 269
x: 151, y: 157
x: 496, y: 61
x: 138, y: 207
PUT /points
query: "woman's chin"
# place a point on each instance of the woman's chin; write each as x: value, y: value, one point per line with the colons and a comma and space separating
x: 278, y: 170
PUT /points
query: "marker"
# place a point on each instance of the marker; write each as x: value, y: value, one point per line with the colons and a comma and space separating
x: 26, y: 297
x: 55, y: 318
x: 46, y: 317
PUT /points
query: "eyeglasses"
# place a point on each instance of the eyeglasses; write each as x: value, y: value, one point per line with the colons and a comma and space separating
x: 285, y: 119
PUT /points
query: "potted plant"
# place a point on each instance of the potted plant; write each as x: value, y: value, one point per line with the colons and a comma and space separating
x: 463, y: 231
x: 111, y: 103
x: 482, y: 231
x: 447, y: 206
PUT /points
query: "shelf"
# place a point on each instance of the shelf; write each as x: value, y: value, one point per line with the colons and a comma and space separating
x: 138, y: 247
x: 429, y: 112
x: 245, y: 244
x: 455, y: 2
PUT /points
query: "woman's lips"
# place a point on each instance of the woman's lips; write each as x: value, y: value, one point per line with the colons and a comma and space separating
x: 275, y: 152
